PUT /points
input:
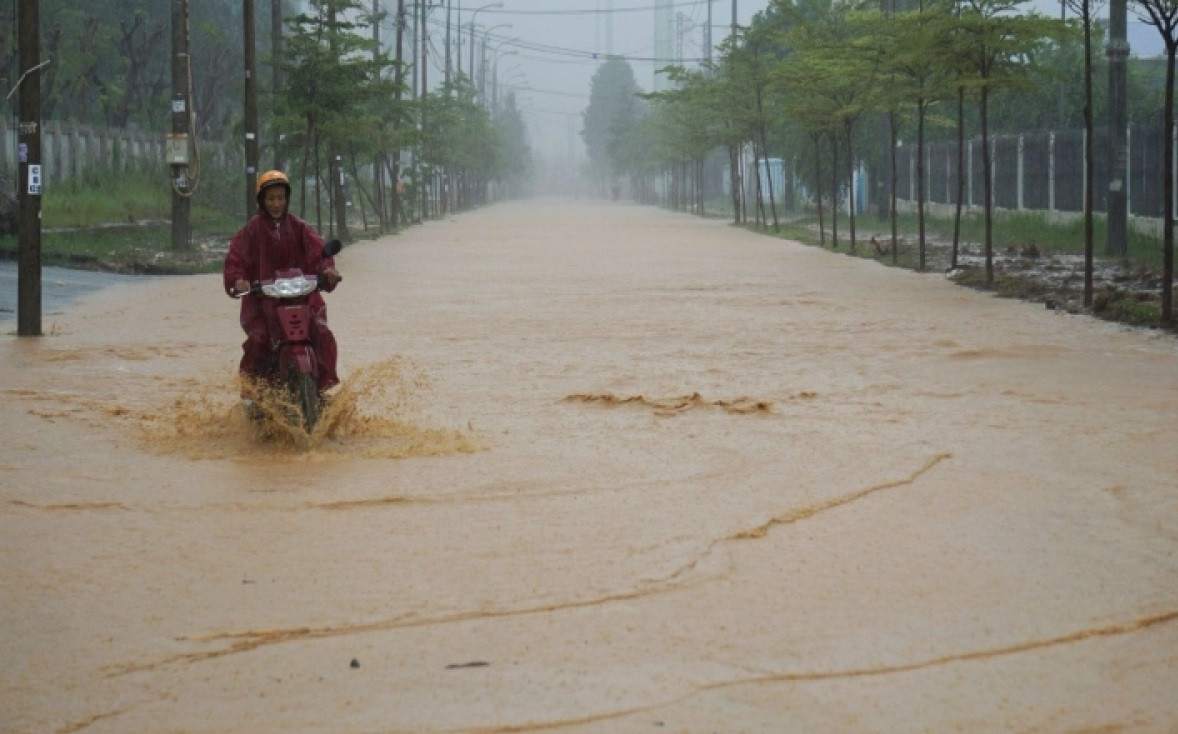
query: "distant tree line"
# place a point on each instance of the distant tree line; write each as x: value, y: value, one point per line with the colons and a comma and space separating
x: 110, y: 61
x: 342, y: 96
x: 832, y: 85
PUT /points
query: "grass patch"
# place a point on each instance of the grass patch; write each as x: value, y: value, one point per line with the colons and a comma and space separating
x: 1127, y: 307
x: 122, y: 223
x: 1011, y: 230
x: 120, y: 249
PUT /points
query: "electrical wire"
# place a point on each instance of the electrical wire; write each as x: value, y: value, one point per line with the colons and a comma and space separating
x: 609, y: 11
x: 575, y: 53
x: 549, y: 92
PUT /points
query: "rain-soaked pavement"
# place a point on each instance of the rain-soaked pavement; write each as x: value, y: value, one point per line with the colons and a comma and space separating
x: 595, y: 468
x: 59, y: 288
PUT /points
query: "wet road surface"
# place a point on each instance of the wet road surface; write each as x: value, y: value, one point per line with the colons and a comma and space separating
x: 610, y: 469
x: 59, y: 288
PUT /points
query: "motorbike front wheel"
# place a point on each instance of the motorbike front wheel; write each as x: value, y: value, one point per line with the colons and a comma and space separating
x: 305, y: 391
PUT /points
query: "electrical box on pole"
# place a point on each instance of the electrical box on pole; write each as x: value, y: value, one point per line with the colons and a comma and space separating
x: 30, y: 177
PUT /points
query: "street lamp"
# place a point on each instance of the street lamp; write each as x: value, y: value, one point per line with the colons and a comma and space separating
x: 514, y: 81
x: 472, y: 18
x: 483, y: 60
x: 495, y: 77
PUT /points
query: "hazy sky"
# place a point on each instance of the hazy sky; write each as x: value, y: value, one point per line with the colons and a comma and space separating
x: 546, y: 54
x: 544, y: 50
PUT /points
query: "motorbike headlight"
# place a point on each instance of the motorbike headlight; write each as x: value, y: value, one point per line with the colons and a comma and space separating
x: 290, y: 287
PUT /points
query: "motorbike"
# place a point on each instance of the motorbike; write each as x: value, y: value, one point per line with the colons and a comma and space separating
x: 292, y: 366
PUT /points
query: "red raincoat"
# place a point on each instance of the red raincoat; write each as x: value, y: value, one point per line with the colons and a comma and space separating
x: 260, y: 248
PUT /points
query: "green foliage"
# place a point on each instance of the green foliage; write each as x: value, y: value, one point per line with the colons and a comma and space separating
x: 612, y: 118
x: 512, y: 143
x: 111, y: 61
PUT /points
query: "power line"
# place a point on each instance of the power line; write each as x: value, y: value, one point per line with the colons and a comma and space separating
x: 576, y: 53
x: 614, y: 11
x: 548, y: 92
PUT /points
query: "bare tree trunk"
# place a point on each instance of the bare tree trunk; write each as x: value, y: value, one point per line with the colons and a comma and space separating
x: 987, y: 188
x: 848, y: 125
x: 762, y: 220
x: 818, y: 186
x: 740, y: 177
x: 960, y: 175
x: 314, y: 138
x: 892, y: 213
x: 834, y: 192
x: 920, y: 184
x: 765, y: 155
x: 1168, y: 189
x: 1089, y: 163
x: 372, y: 198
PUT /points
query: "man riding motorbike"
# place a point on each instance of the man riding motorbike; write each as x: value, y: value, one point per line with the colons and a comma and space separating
x: 274, y: 239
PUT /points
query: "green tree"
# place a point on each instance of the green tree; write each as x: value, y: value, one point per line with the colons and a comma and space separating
x: 1163, y: 15
x: 997, y: 43
x: 613, y: 114
x: 333, y: 83
x: 913, y: 58
x: 512, y: 139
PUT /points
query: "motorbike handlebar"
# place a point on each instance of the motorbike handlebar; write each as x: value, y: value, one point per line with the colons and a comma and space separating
x: 256, y: 287
x: 323, y: 284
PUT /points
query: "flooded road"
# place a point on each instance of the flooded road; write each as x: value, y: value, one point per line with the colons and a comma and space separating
x: 59, y: 288
x: 610, y: 469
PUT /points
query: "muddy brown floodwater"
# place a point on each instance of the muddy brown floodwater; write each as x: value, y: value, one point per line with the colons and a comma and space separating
x: 595, y: 468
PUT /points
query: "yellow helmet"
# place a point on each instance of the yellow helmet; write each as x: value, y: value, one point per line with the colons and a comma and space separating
x: 272, y: 178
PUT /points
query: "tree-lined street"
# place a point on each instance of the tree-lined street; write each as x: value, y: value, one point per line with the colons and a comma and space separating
x: 613, y: 469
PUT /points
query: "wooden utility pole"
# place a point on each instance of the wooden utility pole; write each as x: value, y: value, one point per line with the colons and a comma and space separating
x: 178, y: 143
x: 339, y: 197
x: 276, y: 70
x: 339, y: 212
x: 28, y: 309
x: 1118, y: 129
x: 251, y: 108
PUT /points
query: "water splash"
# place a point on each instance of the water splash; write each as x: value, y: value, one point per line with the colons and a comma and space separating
x: 374, y: 413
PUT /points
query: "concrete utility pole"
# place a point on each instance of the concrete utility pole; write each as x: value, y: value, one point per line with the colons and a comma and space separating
x: 251, y: 108
x: 276, y: 67
x: 1118, y: 130
x: 425, y: 180
x: 708, y: 35
x: 28, y: 287
x: 178, y: 141
x: 399, y: 75
x: 378, y: 167
x: 473, y: 16
x: 413, y: 55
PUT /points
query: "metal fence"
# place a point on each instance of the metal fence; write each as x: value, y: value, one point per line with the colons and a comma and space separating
x: 1040, y: 171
